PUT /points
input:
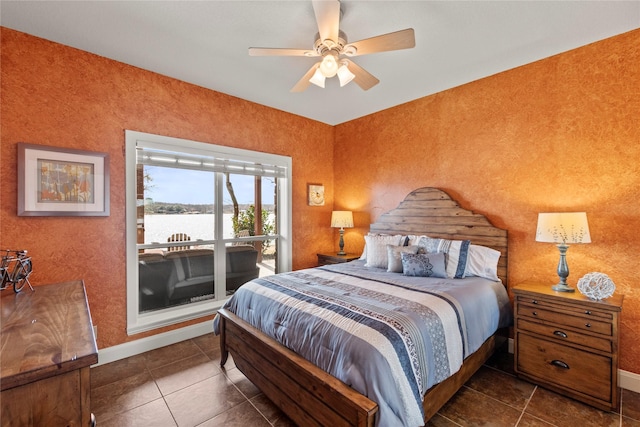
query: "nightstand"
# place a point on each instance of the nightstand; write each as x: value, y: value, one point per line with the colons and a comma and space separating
x: 568, y: 343
x: 324, y: 259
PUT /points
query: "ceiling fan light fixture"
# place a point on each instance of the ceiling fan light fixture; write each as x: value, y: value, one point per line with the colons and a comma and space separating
x: 344, y: 74
x: 317, y: 78
x: 329, y: 65
x: 331, y: 43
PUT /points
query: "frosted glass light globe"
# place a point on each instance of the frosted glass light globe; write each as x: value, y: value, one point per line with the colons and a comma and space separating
x: 329, y: 65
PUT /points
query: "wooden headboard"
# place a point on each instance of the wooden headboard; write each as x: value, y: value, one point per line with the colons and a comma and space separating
x: 432, y: 212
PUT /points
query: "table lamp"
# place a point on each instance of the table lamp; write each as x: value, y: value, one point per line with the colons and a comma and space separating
x: 563, y: 228
x: 341, y: 219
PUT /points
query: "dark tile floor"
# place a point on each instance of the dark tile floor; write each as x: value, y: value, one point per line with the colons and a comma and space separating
x: 183, y: 385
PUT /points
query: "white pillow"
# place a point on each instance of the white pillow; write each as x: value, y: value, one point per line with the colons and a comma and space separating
x: 394, y: 258
x: 376, y: 248
x: 364, y: 250
x: 482, y: 262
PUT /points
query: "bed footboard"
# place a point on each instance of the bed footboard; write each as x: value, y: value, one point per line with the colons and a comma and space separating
x: 307, y: 394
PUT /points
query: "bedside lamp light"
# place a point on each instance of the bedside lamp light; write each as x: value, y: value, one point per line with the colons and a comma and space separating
x: 562, y: 229
x: 341, y: 219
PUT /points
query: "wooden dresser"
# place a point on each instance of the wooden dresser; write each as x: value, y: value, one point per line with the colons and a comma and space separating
x: 47, y: 347
x: 568, y: 343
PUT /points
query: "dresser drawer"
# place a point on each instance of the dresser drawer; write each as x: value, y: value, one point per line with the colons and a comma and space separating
x: 583, y: 320
x: 562, y: 334
x: 565, y: 366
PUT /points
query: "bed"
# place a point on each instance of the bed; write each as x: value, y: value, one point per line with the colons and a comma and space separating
x: 310, y: 395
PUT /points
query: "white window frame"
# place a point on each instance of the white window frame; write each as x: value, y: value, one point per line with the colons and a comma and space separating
x: 140, y: 322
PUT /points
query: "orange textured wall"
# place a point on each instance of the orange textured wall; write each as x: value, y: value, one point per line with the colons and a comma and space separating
x: 60, y: 96
x: 560, y: 134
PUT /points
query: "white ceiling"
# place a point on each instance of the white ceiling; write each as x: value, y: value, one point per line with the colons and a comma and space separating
x: 206, y: 42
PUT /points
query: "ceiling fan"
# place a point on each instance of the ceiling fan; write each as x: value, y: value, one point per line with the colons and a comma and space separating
x: 331, y: 44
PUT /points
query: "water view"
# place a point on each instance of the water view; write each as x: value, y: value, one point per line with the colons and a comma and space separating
x: 158, y: 228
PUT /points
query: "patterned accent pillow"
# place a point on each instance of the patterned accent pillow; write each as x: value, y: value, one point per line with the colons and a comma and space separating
x: 456, y: 254
x: 431, y: 245
x: 394, y: 264
x: 423, y: 265
x: 415, y: 239
x: 377, y: 249
x: 403, y: 242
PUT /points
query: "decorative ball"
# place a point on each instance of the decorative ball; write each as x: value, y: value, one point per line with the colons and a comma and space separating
x: 596, y: 286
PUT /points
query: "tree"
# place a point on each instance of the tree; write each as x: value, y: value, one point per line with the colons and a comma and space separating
x: 246, y: 220
x: 234, y: 200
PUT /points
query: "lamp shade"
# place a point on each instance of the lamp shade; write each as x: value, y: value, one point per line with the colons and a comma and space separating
x: 563, y: 228
x: 342, y: 219
x: 317, y: 78
x: 344, y: 74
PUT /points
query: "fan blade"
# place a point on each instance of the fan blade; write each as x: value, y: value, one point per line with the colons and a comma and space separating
x: 328, y: 18
x: 268, y: 51
x: 403, y: 39
x: 304, y: 83
x: 363, y: 78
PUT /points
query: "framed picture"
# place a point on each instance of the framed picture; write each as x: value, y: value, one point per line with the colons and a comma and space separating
x: 55, y: 181
x: 316, y: 195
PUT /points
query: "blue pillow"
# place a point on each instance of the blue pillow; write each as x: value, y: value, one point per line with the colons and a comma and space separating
x: 423, y: 265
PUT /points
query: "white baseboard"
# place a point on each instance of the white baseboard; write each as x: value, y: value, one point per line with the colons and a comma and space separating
x: 132, y: 348
x: 627, y: 380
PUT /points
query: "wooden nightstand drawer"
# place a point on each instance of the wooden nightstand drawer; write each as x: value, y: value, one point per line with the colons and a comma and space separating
x: 580, y: 320
x: 563, y: 334
x: 567, y: 307
x: 576, y: 370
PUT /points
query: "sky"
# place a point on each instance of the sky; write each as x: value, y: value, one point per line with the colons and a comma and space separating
x: 187, y: 186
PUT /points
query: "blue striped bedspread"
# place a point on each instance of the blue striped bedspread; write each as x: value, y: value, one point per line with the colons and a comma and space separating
x: 388, y: 336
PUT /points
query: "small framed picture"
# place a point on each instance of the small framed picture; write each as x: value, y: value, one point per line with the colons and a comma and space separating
x: 54, y: 181
x: 316, y: 195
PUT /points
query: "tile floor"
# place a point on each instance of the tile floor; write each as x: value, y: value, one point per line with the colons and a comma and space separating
x: 183, y: 385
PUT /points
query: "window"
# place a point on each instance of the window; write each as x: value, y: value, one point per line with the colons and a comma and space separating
x: 201, y: 220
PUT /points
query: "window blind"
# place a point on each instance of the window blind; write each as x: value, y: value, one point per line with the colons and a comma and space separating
x: 210, y: 161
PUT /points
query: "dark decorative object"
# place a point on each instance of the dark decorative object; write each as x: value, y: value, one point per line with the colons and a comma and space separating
x: 15, y: 269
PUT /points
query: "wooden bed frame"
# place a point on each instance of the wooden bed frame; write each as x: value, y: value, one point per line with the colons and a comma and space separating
x: 312, y: 397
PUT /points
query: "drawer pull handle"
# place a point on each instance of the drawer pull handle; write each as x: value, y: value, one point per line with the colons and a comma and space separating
x: 535, y: 313
x: 535, y: 301
x: 560, y: 334
x: 587, y: 312
x: 588, y: 325
x: 559, y: 364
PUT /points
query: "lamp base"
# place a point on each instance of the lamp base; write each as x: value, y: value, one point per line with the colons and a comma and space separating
x: 341, y: 252
x: 562, y: 288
